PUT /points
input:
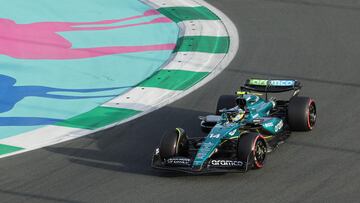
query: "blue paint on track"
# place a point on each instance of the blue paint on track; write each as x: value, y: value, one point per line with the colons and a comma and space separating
x: 35, y: 93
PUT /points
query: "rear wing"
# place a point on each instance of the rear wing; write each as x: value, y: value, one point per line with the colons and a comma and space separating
x: 272, y: 85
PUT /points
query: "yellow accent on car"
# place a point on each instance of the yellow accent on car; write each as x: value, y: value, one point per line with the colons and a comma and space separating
x: 177, y: 129
x: 239, y: 93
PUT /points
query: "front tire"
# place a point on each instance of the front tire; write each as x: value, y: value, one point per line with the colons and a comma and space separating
x: 301, y: 114
x: 252, y: 149
x: 174, y: 143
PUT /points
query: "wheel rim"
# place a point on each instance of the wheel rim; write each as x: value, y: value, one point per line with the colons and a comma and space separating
x: 259, y: 153
x: 312, y: 115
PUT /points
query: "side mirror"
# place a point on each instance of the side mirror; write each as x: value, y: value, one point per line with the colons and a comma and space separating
x: 223, y: 110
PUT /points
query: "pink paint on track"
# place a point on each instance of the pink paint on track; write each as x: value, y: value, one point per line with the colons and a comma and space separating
x: 42, y: 41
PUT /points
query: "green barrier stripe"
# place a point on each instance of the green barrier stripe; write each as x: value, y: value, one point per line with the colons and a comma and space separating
x: 208, y: 44
x: 165, y: 79
x: 178, y: 14
x: 174, y: 79
x: 6, y: 149
x: 98, y: 117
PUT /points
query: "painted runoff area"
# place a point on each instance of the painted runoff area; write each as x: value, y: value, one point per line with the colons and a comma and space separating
x: 206, y: 44
x: 54, y: 66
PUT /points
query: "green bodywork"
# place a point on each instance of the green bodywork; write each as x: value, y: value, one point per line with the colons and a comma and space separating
x: 258, y: 109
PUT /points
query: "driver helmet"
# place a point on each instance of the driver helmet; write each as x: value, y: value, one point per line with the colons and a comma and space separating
x: 238, y: 116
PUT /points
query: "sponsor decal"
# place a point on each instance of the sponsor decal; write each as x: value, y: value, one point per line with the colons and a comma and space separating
x: 178, y: 161
x: 257, y: 120
x: 207, y: 145
x: 258, y: 82
x: 282, y: 82
x: 267, y: 125
x: 272, y: 82
x: 232, y: 133
x: 205, y: 149
x: 226, y: 163
x: 279, y: 126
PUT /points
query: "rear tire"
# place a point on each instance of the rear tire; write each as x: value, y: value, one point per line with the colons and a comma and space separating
x: 301, y: 114
x: 174, y: 143
x: 225, y: 102
x: 252, y: 149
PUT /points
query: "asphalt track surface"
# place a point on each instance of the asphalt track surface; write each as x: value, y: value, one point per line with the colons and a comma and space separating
x: 316, y: 41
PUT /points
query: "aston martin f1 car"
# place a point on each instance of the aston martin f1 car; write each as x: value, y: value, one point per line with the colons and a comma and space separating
x: 245, y: 127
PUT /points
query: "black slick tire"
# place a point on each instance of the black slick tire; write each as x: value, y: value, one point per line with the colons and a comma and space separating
x: 301, y: 114
x: 252, y: 149
x: 173, y: 143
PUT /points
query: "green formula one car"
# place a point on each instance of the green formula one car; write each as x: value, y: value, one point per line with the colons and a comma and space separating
x: 245, y: 128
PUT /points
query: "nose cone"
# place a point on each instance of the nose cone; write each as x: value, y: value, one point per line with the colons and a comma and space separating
x: 208, y: 147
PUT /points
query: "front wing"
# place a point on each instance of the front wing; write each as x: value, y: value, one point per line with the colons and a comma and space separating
x: 184, y: 164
